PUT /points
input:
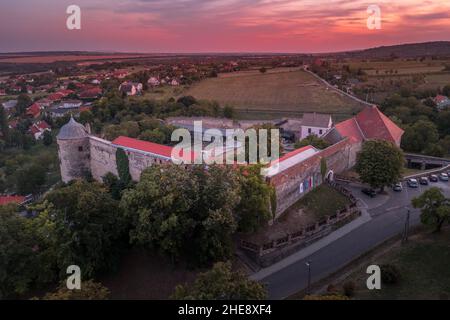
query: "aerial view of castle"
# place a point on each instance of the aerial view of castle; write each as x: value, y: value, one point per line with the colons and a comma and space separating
x: 240, y: 153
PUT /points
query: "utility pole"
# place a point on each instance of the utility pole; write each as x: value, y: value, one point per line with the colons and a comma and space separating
x: 308, y: 290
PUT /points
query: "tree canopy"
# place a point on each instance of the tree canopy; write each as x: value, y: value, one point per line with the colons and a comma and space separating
x: 221, y: 283
x: 379, y: 163
x: 435, y: 208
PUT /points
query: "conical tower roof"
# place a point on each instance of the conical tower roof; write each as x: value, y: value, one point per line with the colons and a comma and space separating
x: 72, y: 130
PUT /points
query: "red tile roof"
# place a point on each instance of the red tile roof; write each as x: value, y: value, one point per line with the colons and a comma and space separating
x: 154, y: 148
x: 370, y: 123
x: 4, y: 200
x: 375, y: 125
x: 349, y: 128
x: 34, y: 110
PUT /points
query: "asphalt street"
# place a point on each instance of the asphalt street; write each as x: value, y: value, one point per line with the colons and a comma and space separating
x: 388, y: 214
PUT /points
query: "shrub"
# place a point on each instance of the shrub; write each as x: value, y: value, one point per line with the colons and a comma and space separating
x: 390, y: 274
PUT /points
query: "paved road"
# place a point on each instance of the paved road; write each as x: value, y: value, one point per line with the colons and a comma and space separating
x: 388, y: 219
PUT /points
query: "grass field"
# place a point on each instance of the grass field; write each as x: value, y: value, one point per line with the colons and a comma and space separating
x: 279, y: 93
x: 424, y: 265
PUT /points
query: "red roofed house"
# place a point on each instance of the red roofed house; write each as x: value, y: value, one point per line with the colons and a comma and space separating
x: 38, y: 129
x: 370, y: 123
x: 89, y: 94
x: 5, y: 200
x: 34, y: 110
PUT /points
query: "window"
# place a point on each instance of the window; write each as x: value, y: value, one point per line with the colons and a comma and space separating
x: 80, y: 149
x: 309, y: 130
x: 320, y: 131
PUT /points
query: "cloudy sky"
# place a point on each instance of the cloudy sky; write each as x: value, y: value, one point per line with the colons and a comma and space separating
x: 219, y: 25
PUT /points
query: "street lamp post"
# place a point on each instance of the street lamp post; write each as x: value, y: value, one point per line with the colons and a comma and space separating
x: 308, y: 290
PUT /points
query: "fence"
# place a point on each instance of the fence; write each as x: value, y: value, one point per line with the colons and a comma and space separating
x: 308, y: 233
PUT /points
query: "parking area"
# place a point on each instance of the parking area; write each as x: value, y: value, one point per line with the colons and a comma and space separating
x: 392, y: 200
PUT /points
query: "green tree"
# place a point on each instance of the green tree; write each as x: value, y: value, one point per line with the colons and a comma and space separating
x: 221, y: 283
x: 435, y: 208
x: 228, y: 112
x: 254, y: 209
x: 379, y: 163
x: 419, y: 136
x: 23, y: 102
x: 31, y: 179
x: 48, y: 138
x: 312, y: 140
x: 123, y: 166
x: 155, y: 136
x: 88, y: 227
x: 184, y: 211
x: 90, y: 290
x: 16, y: 253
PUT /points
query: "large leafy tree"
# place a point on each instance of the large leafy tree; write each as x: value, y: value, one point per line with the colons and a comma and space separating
x: 435, y: 208
x: 23, y: 102
x: 254, y: 209
x: 16, y: 253
x: 221, y: 283
x: 184, y: 211
x: 419, y: 136
x: 88, y: 226
x: 379, y: 163
x: 312, y: 140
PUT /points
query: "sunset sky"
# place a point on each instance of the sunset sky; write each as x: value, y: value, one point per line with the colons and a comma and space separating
x: 219, y: 25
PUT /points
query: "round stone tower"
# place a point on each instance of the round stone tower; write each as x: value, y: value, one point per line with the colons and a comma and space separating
x: 73, y: 151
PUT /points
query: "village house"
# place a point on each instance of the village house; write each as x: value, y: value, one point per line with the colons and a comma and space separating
x: 2, y: 92
x: 315, y: 124
x: 131, y: 88
x: 153, y: 82
x: 37, y: 129
x: 10, y: 104
x: 34, y: 111
x: 442, y: 102
x: 8, y: 199
x: 90, y: 93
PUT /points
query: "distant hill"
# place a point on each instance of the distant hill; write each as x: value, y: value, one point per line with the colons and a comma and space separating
x: 410, y: 50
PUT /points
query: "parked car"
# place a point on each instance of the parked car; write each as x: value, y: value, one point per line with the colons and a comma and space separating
x: 397, y: 187
x: 433, y: 178
x: 412, y: 183
x: 443, y: 177
x: 423, y: 181
x: 370, y: 192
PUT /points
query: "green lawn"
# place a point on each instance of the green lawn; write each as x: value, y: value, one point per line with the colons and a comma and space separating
x: 322, y: 201
x: 424, y: 263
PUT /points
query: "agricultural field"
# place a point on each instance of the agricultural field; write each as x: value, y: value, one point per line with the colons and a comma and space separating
x: 278, y: 92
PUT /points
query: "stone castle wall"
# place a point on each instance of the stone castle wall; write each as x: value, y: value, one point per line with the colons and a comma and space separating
x: 295, y: 182
x: 103, y: 158
x: 98, y: 157
x: 74, y: 158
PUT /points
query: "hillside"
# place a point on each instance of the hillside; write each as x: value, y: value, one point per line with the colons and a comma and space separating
x: 437, y: 48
